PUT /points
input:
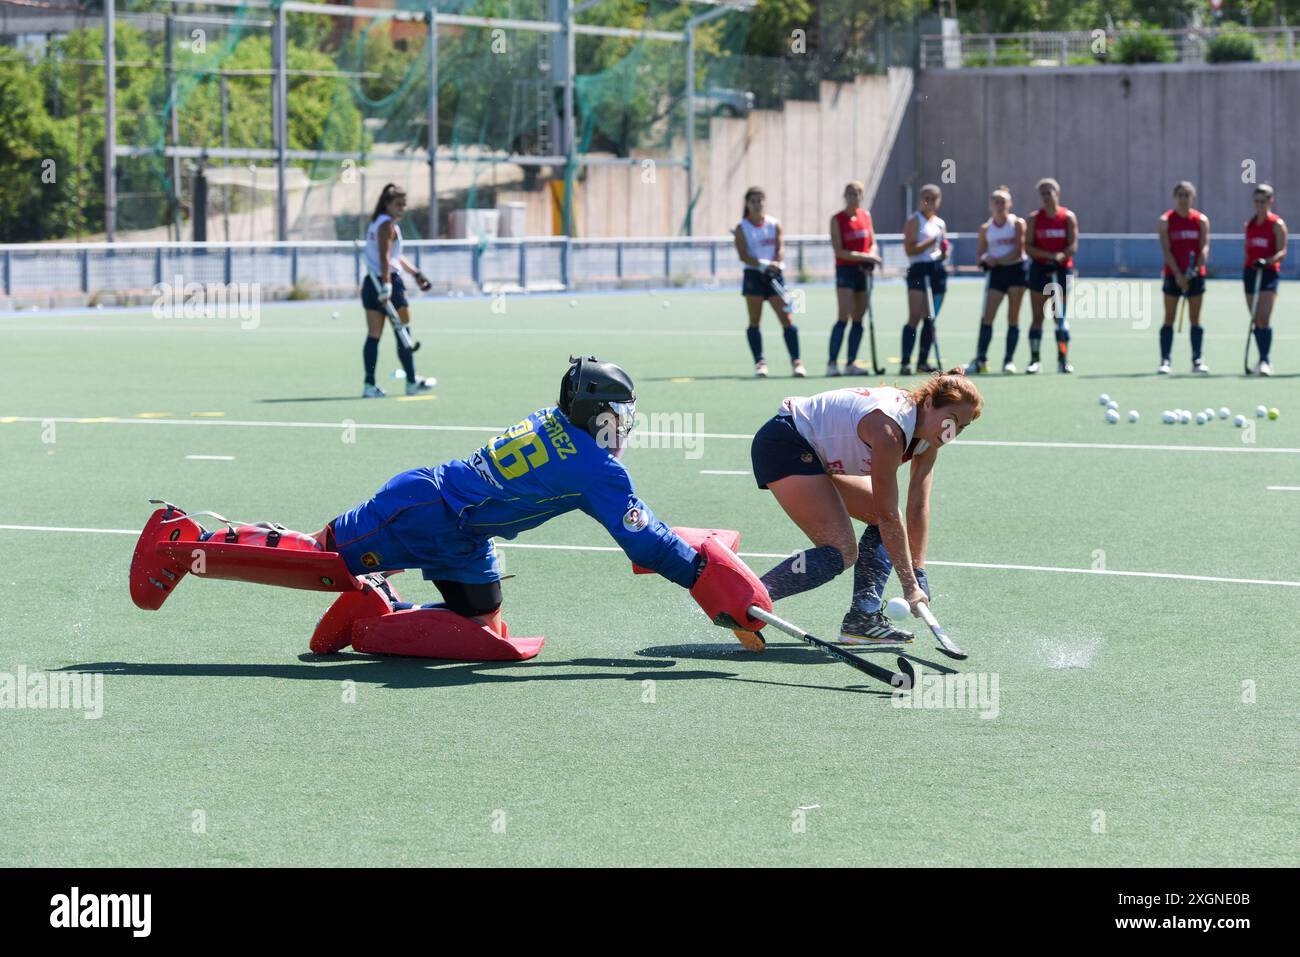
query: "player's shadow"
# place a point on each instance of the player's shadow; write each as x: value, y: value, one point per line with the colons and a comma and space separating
x: 311, y: 398
x: 405, y: 673
x: 389, y: 671
x: 701, y: 378
x: 1152, y: 375
x: 790, y: 653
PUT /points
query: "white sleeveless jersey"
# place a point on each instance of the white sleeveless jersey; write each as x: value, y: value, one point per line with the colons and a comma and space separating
x: 925, y: 229
x: 372, y: 246
x: 760, y: 240
x: 1002, y: 239
x: 829, y: 422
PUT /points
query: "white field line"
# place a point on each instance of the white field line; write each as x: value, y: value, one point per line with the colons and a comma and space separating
x: 993, y: 566
x: 51, y: 323
x: 211, y: 458
x: 496, y: 429
x: 723, y: 472
x: 1283, y: 488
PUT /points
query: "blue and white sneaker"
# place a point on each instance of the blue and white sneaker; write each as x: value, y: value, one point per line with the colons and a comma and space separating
x: 373, y: 392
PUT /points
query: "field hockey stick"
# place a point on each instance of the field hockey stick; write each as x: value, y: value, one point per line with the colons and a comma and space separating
x: 904, y: 678
x: 400, y: 329
x: 947, y: 645
x: 1059, y: 321
x: 1182, y: 301
x: 1254, y: 304
x: 984, y: 308
x: 782, y: 293
x: 871, y: 323
x: 934, y: 320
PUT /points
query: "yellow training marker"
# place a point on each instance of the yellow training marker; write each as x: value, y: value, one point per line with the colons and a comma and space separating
x: 152, y: 415
x: 682, y: 378
x: 9, y: 418
x: 207, y: 415
x: 415, y: 398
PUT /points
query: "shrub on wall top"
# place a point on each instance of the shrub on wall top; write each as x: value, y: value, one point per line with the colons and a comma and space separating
x: 1145, y: 46
x: 1231, y: 45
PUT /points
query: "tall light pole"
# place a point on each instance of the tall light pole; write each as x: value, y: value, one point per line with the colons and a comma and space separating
x: 691, y: 24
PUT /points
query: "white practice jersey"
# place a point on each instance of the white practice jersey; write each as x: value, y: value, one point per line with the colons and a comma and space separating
x: 760, y: 240
x: 1002, y: 239
x: 925, y: 229
x: 372, y: 247
x: 829, y: 421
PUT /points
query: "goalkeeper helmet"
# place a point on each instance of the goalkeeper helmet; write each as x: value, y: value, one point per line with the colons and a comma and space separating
x: 592, y: 387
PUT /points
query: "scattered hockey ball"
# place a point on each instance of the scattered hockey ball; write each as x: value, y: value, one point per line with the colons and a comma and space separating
x: 1273, y: 414
x: 1112, y: 416
x: 1133, y: 415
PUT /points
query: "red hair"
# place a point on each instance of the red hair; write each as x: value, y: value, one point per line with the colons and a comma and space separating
x: 949, y: 388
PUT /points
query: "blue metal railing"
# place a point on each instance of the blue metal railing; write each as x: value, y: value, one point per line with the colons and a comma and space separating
x: 129, y: 271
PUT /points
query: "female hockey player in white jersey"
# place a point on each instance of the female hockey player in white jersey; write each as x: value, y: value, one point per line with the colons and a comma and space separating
x: 760, y: 245
x: 831, y: 458
x: 383, y: 286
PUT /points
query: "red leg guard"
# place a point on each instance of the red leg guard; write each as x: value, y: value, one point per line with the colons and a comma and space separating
x: 153, y: 574
x: 334, y: 630
x: 169, y: 547
x: 695, y: 537
x: 439, y: 633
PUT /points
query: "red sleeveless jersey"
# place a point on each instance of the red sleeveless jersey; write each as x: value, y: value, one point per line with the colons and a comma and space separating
x: 1261, y: 241
x: 1052, y: 234
x: 855, y: 234
x: 1184, y: 239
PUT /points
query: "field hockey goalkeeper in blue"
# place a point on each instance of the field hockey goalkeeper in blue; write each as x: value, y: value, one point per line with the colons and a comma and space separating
x: 442, y: 519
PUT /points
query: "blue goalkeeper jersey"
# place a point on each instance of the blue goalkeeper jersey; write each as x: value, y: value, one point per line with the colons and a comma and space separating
x: 546, y: 466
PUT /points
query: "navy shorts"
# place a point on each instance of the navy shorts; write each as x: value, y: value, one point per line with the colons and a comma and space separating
x: 778, y: 450
x: 1268, y: 283
x: 852, y: 277
x: 1041, y: 276
x: 917, y: 273
x: 758, y: 282
x: 1002, y: 278
x: 408, y: 525
x: 370, y: 295
x: 1196, y: 287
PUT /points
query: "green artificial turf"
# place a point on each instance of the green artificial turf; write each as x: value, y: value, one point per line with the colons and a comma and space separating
x: 642, y: 735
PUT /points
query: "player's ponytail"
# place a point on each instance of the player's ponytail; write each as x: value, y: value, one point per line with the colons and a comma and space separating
x: 949, y: 388
x: 390, y: 192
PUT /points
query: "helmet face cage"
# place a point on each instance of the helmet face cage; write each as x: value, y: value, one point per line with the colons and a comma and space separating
x: 613, y: 436
x: 625, y: 412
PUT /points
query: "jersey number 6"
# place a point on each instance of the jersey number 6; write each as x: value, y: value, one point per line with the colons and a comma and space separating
x: 521, y: 450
